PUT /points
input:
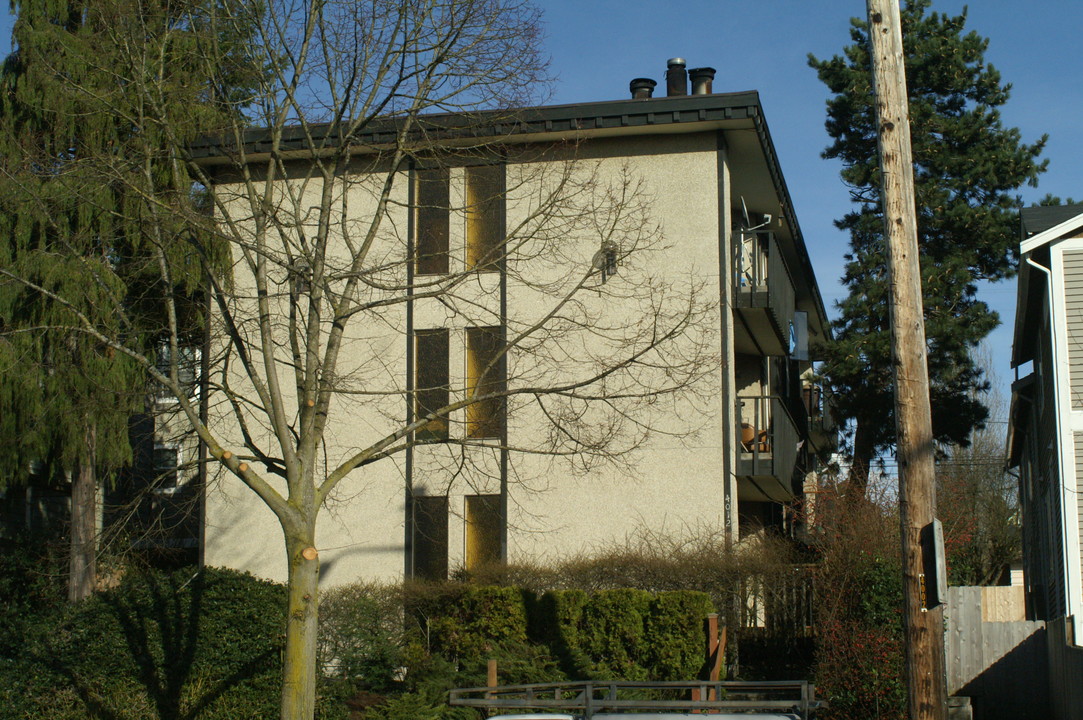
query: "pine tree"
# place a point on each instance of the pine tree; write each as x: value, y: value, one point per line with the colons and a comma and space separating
x: 74, y: 244
x: 966, y: 167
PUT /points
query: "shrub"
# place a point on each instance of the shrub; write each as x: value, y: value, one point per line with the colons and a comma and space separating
x: 564, y: 634
x: 32, y: 590
x: 189, y: 643
x: 466, y: 621
x: 362, y: 635
x: 859, y: 644
x: 612, y: 634
x: 674, y: 628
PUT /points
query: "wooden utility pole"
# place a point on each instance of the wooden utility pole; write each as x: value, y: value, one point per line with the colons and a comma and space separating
x: 927, y: 691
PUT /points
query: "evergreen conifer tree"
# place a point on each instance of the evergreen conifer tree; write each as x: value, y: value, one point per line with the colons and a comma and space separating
x: 966, y: 167
x: 72, y: 231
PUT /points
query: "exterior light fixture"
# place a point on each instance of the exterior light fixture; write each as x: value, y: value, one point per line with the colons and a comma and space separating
x: 605, y: 260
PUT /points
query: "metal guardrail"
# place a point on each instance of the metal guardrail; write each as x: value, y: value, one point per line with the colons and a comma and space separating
x: 760, y: 267
x: 768, y: 431
x: 585, y: 699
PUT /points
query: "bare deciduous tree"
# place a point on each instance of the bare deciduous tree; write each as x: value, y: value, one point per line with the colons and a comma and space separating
x: 370, y: 118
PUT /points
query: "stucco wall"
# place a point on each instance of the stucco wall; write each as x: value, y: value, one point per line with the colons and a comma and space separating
x: 555, y: 506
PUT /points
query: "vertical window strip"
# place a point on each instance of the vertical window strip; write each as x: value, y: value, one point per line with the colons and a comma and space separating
x: 485, y: 189
x: 485, y: 375
x: 431, y: 244
x: 431, y: 381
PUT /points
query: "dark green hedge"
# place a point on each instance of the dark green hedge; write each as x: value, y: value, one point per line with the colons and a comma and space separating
x: 207, y: 644
x: 610, y: 634
x: 186, y: 644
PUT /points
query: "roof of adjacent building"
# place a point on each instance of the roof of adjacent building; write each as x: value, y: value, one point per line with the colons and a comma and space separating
x: 1039, y: 226
x: 1034, y: 220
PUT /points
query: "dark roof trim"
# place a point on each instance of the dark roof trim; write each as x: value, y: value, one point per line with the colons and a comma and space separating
x: 578, y: 117
x: 1039, y: 219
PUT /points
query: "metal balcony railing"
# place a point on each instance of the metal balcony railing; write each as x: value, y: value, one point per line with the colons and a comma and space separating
x: 768, y: 436
x: 763, y: 279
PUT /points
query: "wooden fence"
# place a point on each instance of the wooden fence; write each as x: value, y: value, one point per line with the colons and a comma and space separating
x: 994, y: 657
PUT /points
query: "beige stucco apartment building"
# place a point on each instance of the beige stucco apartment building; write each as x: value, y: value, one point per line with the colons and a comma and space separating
x: 538, y: 249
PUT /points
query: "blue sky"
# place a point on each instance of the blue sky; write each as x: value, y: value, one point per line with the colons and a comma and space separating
x: 598, y: 46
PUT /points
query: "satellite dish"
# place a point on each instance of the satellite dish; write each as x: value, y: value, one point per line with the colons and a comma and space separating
x: 744, y: 211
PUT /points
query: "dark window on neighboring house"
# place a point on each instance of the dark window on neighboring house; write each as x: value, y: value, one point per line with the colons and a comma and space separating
x: 484, y: 530
x: 484, y: 217
x: 485, y: 375
x: 431, y: 381
x: 430, y: 518
x: 433, y: 221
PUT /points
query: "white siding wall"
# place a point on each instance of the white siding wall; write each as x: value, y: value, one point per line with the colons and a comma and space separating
x: 1073, y: 305
x: 1066, y: 259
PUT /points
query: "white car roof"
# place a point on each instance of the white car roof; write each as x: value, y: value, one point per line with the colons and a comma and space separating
x: 647, y: 716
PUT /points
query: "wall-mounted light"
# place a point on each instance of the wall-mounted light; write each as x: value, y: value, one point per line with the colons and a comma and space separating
x: 605, y: 261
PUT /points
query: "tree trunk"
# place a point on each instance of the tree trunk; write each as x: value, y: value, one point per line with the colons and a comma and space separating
x: 299, y: 663
x: 82, y: 563
x: 858, y: 480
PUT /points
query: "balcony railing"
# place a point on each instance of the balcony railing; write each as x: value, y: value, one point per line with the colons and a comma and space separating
x: 821, y: 423
x: 769, y: 437
x: 764, y: 282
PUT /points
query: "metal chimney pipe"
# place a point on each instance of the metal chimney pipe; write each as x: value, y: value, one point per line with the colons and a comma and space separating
x: 702, y: 80
x: 642, y: 88
x: 676, y: 77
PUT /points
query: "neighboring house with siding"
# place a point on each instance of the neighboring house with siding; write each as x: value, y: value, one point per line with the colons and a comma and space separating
x: 1046, y: 430
x: 709, y: 166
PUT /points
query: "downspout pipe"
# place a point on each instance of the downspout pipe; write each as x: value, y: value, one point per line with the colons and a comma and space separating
x: 1058, y: 414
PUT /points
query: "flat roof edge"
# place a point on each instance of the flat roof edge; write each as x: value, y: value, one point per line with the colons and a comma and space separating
x: 628, y: 113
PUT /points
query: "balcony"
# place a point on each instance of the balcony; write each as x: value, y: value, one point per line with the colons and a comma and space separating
x: 768, y: 450
x: 822, y: 432
x: 764, y: 289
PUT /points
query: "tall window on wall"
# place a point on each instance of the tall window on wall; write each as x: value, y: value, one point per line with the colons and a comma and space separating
x: 484, y: 217
x: 432, y: 198
x: 166, y: 471
x: 484, y: 530
x: 430, y: 515
x: 431, y: 382
x: 485, y: 375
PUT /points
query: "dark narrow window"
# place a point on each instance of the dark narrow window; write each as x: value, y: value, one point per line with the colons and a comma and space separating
x: 430, y: 537
x: 165, y: 467
x: 431, y: 381
x: 485, y: 375
x: 484, y: 217
x: 433, y: 203
x: 188, y: 361
x: 484, y: 530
